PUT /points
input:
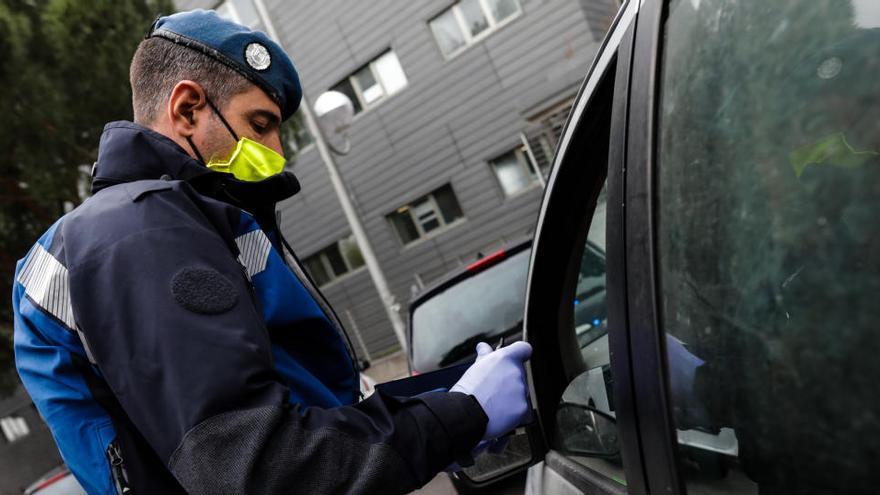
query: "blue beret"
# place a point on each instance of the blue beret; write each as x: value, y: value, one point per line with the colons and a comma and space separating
x: 251, y: 53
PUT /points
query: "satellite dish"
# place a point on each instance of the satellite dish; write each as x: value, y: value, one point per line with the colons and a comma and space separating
x: 335, y: 112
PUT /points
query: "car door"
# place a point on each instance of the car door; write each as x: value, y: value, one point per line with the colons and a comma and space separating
x: 741, y: 191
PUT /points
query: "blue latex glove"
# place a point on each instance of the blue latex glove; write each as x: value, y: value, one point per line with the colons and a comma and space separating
x: 498, y: 381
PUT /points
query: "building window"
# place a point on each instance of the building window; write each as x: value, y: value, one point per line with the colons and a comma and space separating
x: 295, y: 135
x: 514, y: 170
x: 469, y: 21
x: 334, y: 261
x: 544, y: 131
x: 431, y: 212
x: 14, y: 428
x: 373, y: 82
x: 240, y: 11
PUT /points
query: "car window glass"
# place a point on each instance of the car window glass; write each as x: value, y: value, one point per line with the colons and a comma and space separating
x: 769, y: 244
x: 585, y: 427
x: 447, y: 327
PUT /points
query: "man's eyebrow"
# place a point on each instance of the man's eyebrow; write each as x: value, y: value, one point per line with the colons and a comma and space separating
x: 272, y: 117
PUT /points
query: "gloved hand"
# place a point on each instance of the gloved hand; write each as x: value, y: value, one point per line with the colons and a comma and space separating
x: 498, y: 381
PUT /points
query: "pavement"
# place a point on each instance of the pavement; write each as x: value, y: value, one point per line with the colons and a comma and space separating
x: 394, y: 366
x: 388, y: 368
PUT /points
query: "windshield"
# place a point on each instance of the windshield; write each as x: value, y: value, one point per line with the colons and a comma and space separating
x: 447, y: 327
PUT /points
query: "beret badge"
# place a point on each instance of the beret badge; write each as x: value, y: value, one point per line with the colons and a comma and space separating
x: 257, y: 56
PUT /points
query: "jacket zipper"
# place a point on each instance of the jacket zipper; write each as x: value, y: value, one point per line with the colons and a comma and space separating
x: 248, y: 281
x: 294, y: 264
x: 117, y: 470
x: 305, y: 279
x: 316, y: 293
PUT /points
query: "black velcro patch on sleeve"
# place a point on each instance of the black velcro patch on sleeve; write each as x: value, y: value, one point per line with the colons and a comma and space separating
x: 203, y: 291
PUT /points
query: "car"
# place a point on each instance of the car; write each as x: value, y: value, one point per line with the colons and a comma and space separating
x: 444, y: 325
x: 725, y: 158
x: 59, y: 481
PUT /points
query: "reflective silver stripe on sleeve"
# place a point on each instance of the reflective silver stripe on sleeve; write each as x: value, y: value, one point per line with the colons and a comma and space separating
x: 46, y: 282
x: 253, y: 250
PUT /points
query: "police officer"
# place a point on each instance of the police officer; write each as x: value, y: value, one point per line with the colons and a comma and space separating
x: 170, y: 342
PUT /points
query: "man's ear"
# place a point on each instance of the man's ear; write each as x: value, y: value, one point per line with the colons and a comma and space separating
x: 186, y: 106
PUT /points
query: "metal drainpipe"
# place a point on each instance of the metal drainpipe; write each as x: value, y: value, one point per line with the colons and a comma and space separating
x: 357, y: 334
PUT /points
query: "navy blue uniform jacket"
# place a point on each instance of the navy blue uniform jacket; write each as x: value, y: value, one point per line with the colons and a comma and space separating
x: 171, y: 345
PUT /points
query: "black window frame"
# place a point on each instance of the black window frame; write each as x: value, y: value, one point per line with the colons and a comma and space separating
x: 296, y: 137
x: 355, y: 92
x: 470, y: 39
x: 563, y: 225
x: 636, y: 188
x: 321, y: 255
x: 443, y: 217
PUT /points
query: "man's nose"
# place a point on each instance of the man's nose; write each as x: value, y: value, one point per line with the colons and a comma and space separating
x: 274, y: 143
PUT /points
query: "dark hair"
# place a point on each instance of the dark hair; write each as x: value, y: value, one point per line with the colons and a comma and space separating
x: 159, y: 64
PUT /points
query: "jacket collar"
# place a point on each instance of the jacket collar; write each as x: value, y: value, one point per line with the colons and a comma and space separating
x: 129, y: 152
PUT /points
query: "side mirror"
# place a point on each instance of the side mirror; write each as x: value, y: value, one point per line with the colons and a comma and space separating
x: 489, y: 467
x: 589, y: 432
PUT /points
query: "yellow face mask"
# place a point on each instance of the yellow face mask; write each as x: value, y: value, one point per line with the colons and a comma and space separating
x: 250, y: 161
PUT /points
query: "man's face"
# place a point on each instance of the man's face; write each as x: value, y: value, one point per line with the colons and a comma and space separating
x: 251, y: 114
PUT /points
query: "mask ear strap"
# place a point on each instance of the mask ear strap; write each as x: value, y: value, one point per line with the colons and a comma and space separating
x: 220, y: 115
x: 195, y: 150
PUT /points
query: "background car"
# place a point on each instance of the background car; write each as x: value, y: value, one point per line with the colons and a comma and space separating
x: 482, y: 302
x: 59, y: 481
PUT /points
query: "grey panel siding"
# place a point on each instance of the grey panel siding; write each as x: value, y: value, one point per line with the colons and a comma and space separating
x: 194, y: 4
x: 453, y: 116
x: 600, y: 14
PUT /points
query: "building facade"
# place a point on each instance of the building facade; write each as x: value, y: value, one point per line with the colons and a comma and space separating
x: 458, y: 108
